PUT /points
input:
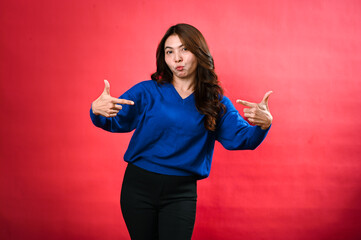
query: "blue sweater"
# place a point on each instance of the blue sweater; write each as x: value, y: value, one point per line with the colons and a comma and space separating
x: 170, y: 137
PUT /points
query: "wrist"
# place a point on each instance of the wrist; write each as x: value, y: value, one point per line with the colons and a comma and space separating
x: 93, y: 111
x: 265, y: 127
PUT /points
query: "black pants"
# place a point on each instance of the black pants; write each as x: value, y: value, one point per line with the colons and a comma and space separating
x: 157, y: 206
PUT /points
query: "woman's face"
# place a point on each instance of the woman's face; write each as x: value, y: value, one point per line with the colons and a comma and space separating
x: 180, y: 61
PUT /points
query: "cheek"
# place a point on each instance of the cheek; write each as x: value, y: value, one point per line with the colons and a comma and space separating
x: 194, y: 63
x: 193, y: 60
x: 167, y: 61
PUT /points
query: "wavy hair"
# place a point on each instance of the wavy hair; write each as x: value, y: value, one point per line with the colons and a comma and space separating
x: 207, y: 91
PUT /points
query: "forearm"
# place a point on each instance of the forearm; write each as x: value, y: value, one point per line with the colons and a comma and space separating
x: 246, y: 138
x: 100, y: 121
x: 254, y: 137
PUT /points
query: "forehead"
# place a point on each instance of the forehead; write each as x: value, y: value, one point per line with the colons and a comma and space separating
x: 173, y: 41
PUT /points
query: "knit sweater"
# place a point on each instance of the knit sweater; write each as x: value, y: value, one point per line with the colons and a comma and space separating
x: 170, y: 137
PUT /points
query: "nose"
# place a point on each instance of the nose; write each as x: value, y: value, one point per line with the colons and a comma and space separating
x: 178, y: 57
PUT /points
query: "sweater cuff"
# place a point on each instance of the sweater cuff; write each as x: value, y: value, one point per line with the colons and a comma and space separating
x: 265, y: 130
x: 97, y: 120
x: 260, y: 132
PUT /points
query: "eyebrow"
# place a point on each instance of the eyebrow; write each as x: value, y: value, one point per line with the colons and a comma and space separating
x: 172, y: 48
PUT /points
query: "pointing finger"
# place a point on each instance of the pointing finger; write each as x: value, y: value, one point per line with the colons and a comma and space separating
x: 247, y: 104
x: 106, y: 87
x: 122, y: 101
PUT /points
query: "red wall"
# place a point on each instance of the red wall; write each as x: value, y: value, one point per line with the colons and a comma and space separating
x: 60, y: 176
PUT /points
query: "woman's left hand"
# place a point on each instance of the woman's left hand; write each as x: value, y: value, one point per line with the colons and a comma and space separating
x: 258, y: 113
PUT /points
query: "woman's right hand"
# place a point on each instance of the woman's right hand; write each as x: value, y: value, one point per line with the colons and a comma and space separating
x: 107, y: 105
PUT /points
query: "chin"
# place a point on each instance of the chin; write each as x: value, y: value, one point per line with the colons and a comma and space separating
x: 181, y: 75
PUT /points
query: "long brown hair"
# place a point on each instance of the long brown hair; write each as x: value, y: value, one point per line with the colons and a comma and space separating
x: 208, y: 92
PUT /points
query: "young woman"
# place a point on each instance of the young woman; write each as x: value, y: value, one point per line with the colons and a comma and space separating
x: 177, y: 117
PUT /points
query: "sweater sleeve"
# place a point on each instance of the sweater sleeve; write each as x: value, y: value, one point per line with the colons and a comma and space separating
x: 126, y: 120
x: 235, y: 133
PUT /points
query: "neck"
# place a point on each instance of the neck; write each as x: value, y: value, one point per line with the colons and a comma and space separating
x: 183, y: 84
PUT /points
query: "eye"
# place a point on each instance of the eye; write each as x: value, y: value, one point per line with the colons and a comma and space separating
x: 168, y: 52
x: 185, y: 49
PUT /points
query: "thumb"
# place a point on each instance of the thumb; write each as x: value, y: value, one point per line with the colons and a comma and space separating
x: 106, y: 87
x: 266, y: 96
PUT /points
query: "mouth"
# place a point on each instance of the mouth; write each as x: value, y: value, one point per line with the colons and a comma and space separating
x: 179, y: 68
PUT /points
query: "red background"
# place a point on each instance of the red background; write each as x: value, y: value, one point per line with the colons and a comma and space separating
x: 61, y: 176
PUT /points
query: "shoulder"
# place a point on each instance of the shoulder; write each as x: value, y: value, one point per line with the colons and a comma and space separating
x: 225, y: 100
x: 228, y: 104
x: 147, y: 85
x: 143, y: 87
x: 144, y: 84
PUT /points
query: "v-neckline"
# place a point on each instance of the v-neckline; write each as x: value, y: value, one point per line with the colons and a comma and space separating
x: 179, y: 96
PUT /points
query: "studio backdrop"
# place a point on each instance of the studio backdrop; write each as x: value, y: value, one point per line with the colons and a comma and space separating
x: 60, y: 176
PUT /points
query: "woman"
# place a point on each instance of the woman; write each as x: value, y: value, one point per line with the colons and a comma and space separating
x: 177, y: 117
